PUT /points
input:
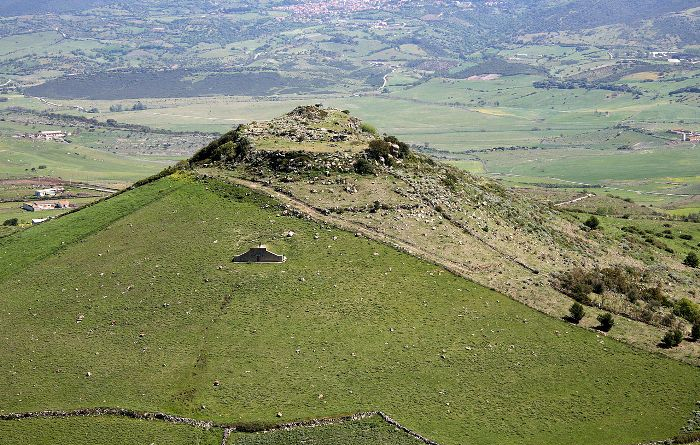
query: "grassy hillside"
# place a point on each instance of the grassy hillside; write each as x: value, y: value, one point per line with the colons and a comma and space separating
x: 139, y: 292
x: 103, y: 431
x: 369, y: 431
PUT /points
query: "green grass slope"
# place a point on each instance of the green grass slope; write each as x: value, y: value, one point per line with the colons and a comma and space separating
x: 103, y: 431
x: 140, y: 292
x: 373, y: 431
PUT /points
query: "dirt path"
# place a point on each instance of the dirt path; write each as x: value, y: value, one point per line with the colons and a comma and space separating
x: 575, y: 200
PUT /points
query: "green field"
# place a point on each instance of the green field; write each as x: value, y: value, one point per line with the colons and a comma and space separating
x: 366, y: 432
x: 156, y: 316
x: 22, y: 158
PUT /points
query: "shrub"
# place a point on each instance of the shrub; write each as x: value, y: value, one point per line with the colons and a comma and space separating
x: 11, y: 222
x: 695, y: 332
x: 380, y: 150
x: 403, y: 151
x: 687, y: 309
x: 691, y: 260
x: 685, y: 236
x: 672, y: 338
x: 592, y: 223
x: 576, y: 313
x: 42, y: 167
x: 364, y: 166
x: 368, y: 128
x: 606, y: 321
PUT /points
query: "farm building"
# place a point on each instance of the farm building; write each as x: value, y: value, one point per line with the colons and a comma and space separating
x: 48, y: 192
x: 687, y: 136
x: 259, y: 255
x: 45, y: 205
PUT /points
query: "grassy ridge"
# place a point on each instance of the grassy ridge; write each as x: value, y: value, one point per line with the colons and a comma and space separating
x: 152, y: 307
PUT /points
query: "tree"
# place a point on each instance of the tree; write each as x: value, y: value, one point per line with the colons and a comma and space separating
x: 672, y: 338
x: 576, y: 312
x: 691, y: 260
x: 592, y: 223
x: 606, y: 321
x: 115, y: 108
x: 138, y: 106
x: 11, y: 222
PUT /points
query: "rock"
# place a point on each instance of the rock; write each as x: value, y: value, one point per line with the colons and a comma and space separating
x: 279, y: 414
x: 217, y: 383
x: 290, y: 234
x: 88, y: 374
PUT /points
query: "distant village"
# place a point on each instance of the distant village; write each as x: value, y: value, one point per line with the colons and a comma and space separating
x: 51, y: 135
x: 687, y: 135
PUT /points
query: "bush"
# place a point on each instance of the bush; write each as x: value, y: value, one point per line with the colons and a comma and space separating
x: 11, y: 222
x: 672, y: 338
x: 368, y: 128
x: 687, y: 309
x: 606, y: 321
x: 592, y: 223
x: 695, y: 332
x: 685, y: 236
x: 576, y: 313
x: 691, y: 260
x: 364, y: 166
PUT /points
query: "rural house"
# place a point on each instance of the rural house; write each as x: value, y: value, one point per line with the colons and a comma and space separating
x: 48, y: 192
x: 45, y: 205
x: 259, y: 255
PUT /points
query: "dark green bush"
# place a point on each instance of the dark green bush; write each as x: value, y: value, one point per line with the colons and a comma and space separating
x: 695, y: 332
x: 691, y: 260
x: 592, y: 223
x: 576, y: 313
x: 606, y: 321
x: 364, y: 166
x: 11, y: 222
x: 685, y: 236
x: 672, y: 338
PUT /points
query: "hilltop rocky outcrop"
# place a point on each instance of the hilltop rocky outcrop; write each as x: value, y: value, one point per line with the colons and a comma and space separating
x: 311, y: 123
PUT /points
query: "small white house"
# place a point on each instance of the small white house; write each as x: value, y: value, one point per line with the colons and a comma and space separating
x: 48, y: 192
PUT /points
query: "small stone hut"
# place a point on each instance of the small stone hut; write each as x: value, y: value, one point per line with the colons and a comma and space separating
x: 259, y: 255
